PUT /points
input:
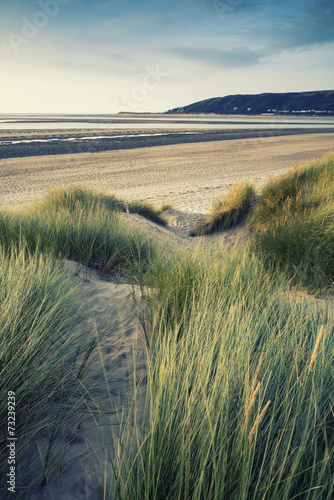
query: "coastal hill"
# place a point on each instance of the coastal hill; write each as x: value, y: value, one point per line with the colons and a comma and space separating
x: 308, y: 103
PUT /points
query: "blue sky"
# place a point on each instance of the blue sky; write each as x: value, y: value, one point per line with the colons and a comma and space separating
x: 103, y: 56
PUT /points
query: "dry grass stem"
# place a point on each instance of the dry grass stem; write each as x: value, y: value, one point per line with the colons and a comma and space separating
x: 258, y: 421
x: 316, y: 348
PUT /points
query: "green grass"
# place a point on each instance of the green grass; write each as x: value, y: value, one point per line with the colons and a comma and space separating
x: 240, y: 398
x: 228, y: 210
x: 293, y: 223
x: 43, y: 340
x: 92, y: 235
x: 73, y: 197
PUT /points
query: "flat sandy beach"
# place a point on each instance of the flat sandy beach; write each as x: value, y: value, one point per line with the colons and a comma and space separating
x: 188, y: 175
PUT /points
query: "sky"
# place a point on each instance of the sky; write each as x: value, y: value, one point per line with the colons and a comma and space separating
x: 107, y: 56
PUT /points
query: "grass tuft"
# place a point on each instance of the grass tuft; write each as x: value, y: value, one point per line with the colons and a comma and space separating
x: 233, y: 409
x: 147, y: 210
x: 43, y: 340
x: 293, y: 223
x: 72, y: 197
x: 228, y: 210
x: 66, y: 228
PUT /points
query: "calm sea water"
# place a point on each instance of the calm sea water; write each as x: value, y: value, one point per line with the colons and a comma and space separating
x: 88, y: 122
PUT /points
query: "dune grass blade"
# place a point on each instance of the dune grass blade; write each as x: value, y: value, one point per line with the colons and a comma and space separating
x: 228, y: 210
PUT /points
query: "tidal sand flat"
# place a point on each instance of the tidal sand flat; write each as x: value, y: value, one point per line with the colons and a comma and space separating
x: 59, y: 142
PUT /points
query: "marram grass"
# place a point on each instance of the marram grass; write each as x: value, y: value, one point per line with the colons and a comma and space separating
x: 228, y: 210
x: 91, y: 235
x: 240, y: 382
x: 82, y: 196
x: 293, y: 223
x: 239, y: 401
x: 43, y: 340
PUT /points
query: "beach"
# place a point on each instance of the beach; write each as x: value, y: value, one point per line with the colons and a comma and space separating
x: 188, y: 175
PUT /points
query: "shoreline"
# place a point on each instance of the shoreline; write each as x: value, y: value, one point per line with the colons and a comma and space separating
x: 90, y: 141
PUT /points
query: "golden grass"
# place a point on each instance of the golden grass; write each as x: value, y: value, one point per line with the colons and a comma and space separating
x: 228, y: 210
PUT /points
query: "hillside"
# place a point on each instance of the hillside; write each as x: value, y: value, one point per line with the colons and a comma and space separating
x: 309, y: 103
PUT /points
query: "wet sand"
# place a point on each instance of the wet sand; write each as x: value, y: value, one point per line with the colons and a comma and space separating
x: 64, y: 142
x: 188, y: 175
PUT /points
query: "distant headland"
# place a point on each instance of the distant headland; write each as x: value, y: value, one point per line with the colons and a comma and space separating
x: 290, y: 103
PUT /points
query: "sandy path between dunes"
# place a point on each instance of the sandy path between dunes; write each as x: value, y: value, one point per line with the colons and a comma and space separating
x: 111, y: 311
x: 187, y: 175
